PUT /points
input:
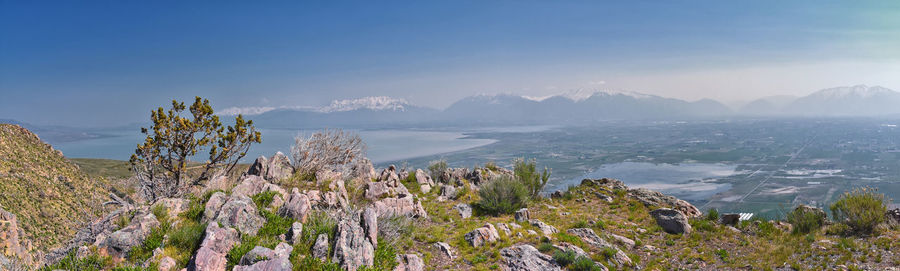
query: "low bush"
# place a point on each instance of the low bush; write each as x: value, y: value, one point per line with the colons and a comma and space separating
x: 862, y: 209
x: 584, y: 264
x: 564, y: 258
x: 262, y: 200
x: 502, y: 195
x: 805, y: 220
x: 186, y: 240
x: 437, y: 169
x: 526, y: 173
x: 712, y: 215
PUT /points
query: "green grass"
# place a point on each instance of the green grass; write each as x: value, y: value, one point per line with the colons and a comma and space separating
x: 107, y: 168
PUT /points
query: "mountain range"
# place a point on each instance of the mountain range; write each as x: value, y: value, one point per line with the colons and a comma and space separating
x: 573, y: 108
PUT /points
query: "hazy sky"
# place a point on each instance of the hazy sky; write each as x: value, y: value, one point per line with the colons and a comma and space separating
x: 111, y: 62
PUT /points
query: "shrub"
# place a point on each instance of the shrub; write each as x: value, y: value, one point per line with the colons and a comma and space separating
x: 805, y: 220
x: 861, y: 209
x: 71, y: 262
x: 580, y: 224
x: 526, y: 172
x: 545, y: 247
x: 186, y: 240
x: 262, y: 200
x: 310, y: 263
x: 160, y: 161
x: 492, y: 166
x: 712, y: 215
x: 437, y: 169
x: 502, y: 195
x: 837, y: 229
x: 326, y: 149
x: 584, y: 264
x: 564, y: 258
x: 723, y: 254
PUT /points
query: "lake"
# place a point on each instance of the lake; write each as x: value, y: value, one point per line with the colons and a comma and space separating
x: 383, y: 145
x: 689, y: 181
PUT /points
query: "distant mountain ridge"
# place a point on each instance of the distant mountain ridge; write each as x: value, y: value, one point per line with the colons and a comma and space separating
x: 848, y: 101
x: 583, y: 106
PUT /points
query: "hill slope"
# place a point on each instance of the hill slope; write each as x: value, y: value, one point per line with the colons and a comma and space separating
x: 49, y: 194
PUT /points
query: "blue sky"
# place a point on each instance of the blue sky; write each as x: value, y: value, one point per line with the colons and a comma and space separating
x: 111, y: 62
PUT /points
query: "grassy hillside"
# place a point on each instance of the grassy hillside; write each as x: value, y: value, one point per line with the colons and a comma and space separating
x: 50, y: 195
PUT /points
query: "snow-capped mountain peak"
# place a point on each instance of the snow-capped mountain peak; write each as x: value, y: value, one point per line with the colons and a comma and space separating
x: 857, y: 91
x: 371, y: 103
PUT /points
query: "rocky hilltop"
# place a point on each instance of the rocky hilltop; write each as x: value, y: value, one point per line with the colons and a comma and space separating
x: 269, y: 218
x: 44, y: 197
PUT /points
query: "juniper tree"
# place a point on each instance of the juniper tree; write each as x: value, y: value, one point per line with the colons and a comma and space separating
x: 161, y: 161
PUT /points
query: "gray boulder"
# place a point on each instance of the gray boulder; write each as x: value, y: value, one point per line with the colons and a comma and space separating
x: 240, y: 213
x: 448, y: 192
x: 216, y: 244
x: 464, y: 210
x: 297, y: 206
x: 352, y: 247
x: 259, y: 167
x: 445, y: 249
x: 424, y: 180
x: 654, y: 198
x: 527, y: 258
x: 279, y: 167
x: 120, y: 242
x: 380, y: 190
x: 522, y: 215
x: 483, y: 235
x: 320, y: 248
x: 404, y: 205
x: 264, y: 259
x: 295, y: 234
x: 547, y: 230
x: 409, y: 262
x: 671, y: 220
x: 592, y: 239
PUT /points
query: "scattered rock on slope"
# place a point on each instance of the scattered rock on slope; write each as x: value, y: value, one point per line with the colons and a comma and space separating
x: 527, y: 258
x: 480, y: 236
x: 672, y: 221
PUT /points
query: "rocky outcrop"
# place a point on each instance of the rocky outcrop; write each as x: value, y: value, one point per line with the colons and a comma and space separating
x: 297, y: 206
x: 424, y: 180
x: 592, y: 239
x: 389, y: 174
x: 409, y: 262
x: 13, y: 243
x: 522, y: 215
x: 264, y: 259
x: 448, y: 192
x: 444, y: 249
x: 352, y: 247
x: 240, y: 212
x: 363, y: 169
x: 275, y: 168
x: 370, y: 225
x: 405, y: 205
x: 483, y: 235
x: 464, y: 210
x: 653, y: 198
x: 251, y: 185
x: 320, y: 248
x: 671, y: 220
x: 120, y: 242
x: 547, y: 230
x: 384, y: 189
x: 527, y: 258
x: 216, y: 244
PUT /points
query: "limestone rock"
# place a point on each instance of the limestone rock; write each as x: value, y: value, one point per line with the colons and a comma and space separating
x: 119, y: 243
x: 672, y: 221
x: 174, y: 206
x: 241, y: 213
x: 279, y: 167
x: 547, y: 230
x: 389, y: 175
x: 295, y: 233
x: 424, y: 180
x: 448, y: 192
x: 464, y: 210
x: 503, y: 227
x: 216, y: 244
x: 166, y: 264
x: 320, y: 248
x: 264, y: 259
x: 352, y: 248
x: 625, y: 241
x: 522, y: 215
x: 653, y: 198
x: 215, y: 202
x: 259, y: 167
x: 527, y: 258
x: 567, y: 246
x: 589, y: 237
x: 370, y: 225
x: 380, y: 190
x: 405, y: 205
x: 13, y: 242
x: 297, y: 206
x: 480, y: 236
x: 445, y: 249
x: 409, y: 262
